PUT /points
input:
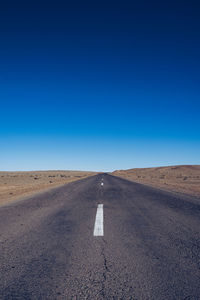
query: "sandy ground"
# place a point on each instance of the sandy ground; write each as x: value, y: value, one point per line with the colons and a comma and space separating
x: 184, y: 179
x: 15, y: 185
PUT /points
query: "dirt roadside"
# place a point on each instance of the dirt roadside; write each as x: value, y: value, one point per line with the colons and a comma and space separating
x: 15, y: 185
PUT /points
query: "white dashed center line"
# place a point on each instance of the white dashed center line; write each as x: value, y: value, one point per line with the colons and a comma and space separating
x: 102, y: 183
x: 98, y: 226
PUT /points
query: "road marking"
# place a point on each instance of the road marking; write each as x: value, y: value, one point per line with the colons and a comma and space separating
x: 102, y: 183
x: 98, y: 226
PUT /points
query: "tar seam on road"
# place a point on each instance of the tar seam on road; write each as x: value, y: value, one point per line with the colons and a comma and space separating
x: 98, y: 226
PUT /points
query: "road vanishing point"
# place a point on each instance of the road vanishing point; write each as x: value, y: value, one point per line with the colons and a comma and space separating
x: 88, y: 240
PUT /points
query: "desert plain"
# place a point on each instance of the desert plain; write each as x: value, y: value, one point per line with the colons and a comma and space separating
x: 15, y: 185
x: 18, y: 185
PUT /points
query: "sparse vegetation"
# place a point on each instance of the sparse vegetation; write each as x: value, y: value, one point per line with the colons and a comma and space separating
x: 14, y: 185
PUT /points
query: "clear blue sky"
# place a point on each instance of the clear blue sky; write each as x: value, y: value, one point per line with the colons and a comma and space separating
x: 99, y: 85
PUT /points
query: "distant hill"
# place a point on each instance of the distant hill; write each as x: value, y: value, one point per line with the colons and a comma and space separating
x: 181, y: 178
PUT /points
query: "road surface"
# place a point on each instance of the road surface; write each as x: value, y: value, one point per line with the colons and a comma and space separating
x: 146, y: 246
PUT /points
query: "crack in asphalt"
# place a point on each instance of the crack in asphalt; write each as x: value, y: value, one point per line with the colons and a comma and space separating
x: 106, y: 269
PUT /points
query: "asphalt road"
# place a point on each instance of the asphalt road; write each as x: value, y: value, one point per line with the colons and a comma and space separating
x: 150, y: 248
